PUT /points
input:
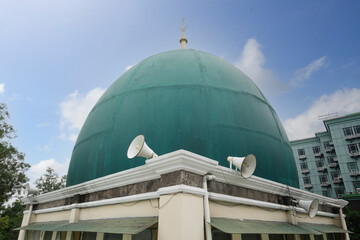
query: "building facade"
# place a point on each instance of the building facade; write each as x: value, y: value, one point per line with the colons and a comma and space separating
x: 328, y: 164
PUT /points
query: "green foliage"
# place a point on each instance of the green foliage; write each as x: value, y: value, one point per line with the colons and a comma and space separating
x: 50, y: 181
x: 10, y: 218
x: 12, y: 165
x: 353, y: 222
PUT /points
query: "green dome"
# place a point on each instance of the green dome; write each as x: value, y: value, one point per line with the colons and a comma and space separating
x: 183, y: 99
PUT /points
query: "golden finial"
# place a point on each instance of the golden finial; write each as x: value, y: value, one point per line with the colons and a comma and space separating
x: 183, y: 39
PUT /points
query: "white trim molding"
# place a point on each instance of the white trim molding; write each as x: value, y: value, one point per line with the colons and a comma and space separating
x: 175, y: 161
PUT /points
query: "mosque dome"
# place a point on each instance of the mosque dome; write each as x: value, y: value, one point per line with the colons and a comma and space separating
x: 183, y: 99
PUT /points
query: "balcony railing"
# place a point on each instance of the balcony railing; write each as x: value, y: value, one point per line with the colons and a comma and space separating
x: 333, y: 165
x: 349, y: 137
x: 340, y: 195
x: 321, y: 169
x: 304, y: 171
x: 309, y: 185
x: 337, y: 180
x: 354, y: 173
x: 354, y: 154
x: 329, y: 149
x: 319, y: 154
x: 325, y: 184
x: 302, y: 157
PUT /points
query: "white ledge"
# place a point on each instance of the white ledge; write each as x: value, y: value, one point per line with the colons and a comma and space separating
x: 175, y: 161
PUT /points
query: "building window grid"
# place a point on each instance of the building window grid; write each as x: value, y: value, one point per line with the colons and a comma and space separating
x: 316, y: 150
x: 332, y: 159
x: 357, y: 130
x: 353, y: 148
x: 301, y: 152
x: 304, y: 166
x: 348, y: 132
x: 320, y: 164
x: 339, y: 191
x: 307, y: 180
x: 335, y: 174
x: 356, y: 185
x: 353, y: 166
x: 326, y: 193
x: 323, y: 179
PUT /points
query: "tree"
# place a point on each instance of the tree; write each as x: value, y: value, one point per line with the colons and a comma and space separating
x: 50, y: 181
x: 12, y: 165
x: 11, y: 218
x: 353, y: 222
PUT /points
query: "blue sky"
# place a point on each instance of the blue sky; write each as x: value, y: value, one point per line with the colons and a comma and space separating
x: 57, y: 57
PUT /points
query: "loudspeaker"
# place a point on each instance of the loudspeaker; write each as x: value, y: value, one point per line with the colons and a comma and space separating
x: 139, y: 148
x: 30, y: 191
x: 311, y: 207
x: 246, y: 165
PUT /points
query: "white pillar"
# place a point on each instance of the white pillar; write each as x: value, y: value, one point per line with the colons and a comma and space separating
x: 181, y: 217
x: 343, y: 223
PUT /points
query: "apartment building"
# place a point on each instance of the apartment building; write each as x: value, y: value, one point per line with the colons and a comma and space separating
x: 329, y: 163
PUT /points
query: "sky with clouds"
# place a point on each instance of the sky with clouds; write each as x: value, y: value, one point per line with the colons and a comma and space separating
x: 58, y: 57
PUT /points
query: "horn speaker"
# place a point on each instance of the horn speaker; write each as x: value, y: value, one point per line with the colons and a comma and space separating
x: 246, y: 165
x: 311, y: 207
x: 139, y: 148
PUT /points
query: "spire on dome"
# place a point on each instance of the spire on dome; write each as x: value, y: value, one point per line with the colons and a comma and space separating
x: 183, y: 39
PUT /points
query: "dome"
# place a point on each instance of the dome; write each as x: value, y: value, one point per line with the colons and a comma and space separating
x: 183, y: 99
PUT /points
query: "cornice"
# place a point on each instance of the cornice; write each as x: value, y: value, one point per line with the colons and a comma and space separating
x: 175, y: 161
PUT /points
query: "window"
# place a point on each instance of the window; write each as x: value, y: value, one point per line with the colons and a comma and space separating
x: 250, y: 236
x: 339, y: 191
x: 320, y: 164
x: 327, y: 144
x: 357, y: 129
x: 348, y: 132
x: 316, y: 150
x: 323, y: 179
x: 276, y: 237
x: 356, y: 185
x: 301, y: 152
x: 326, y: 193
x: 304, y: 166
x: 335, y: 174
x: 352, y: 166
x: 353, y: 148
x: 89, y: 235
x: 48, y: 235
x: 332, y: 159
x: 307, y: 180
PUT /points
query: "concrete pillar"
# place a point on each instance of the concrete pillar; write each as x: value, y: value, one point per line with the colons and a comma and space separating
x: 264, y: 236
x: 54, y: 235
x: 181, y: 217
x: 74, y: 217
x: 126, y: 237
x: 343, y: 223
x: 236, y: 236
x: 312, y: 237
x: 100, y: 236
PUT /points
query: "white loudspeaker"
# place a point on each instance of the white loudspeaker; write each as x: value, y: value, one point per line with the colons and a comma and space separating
x: 246, y: 165
x: 311, y: 207
x: 139, y: 148
x: 30, y: 191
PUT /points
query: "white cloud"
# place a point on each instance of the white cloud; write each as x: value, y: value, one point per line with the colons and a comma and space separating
x: 129, y: 67
x: 72, y: 137
x: 37, y: 170
x: 75, y: 108
x: 304, y: 73
x: 2, y: 87
x: 307, y: 123
x: 252, y: 61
